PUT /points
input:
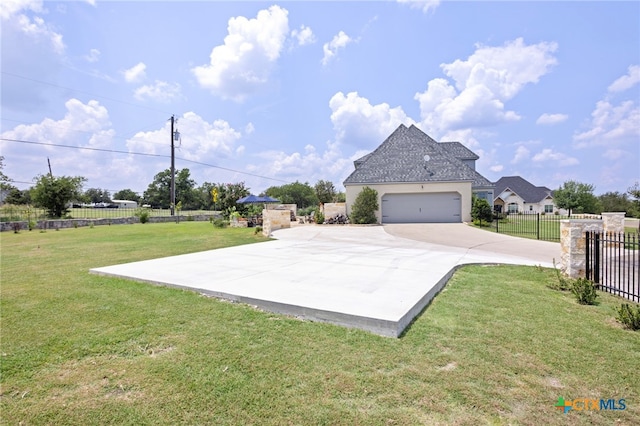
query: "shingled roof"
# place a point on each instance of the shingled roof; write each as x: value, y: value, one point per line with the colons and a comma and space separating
x: 401, y: 159
x: 523, y: 188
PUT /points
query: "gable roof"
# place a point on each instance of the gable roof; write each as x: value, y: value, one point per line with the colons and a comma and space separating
x: 523, y: 188
x: 459, y: 151
x: 401, y: 159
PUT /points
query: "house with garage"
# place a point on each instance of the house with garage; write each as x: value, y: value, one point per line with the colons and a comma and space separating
x: 419, y: 180
x: 514, y: 194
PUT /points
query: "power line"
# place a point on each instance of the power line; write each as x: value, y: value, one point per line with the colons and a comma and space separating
x: 115, y: 151
x: 82, y: 91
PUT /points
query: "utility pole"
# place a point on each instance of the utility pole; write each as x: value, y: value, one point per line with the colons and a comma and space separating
x: 50, y: 173
x: 173, y: 171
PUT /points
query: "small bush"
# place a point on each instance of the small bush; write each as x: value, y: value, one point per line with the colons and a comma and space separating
x: 318, y: 217
x: 142, y: 214
x: 258, y: 230
x: 365, y: 206
x: 481, y: 212
x: 306, y: 211
x: 189, y: 218
x: 628, y: 316
x: 564, y: 283
x: 219, y: 223
x: 585, y: 291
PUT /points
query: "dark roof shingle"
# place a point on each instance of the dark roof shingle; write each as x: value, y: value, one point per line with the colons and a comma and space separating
x: 526, y: 190
x: 401, y: 159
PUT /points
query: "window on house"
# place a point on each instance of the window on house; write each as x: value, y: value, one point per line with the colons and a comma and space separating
x: 530, y: 208
x: 513, y: 208
x: 548, y: 208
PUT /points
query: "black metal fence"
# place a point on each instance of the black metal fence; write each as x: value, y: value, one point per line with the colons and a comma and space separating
x: 529, y: 225
x: 613, y: 263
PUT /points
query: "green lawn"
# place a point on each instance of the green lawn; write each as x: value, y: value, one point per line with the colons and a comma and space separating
x: 495, y: 347
x: 526, y: 226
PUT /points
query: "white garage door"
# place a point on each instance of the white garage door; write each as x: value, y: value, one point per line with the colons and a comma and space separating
x: 421, y: 208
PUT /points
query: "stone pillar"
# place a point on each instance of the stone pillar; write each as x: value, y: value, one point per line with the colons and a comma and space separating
x: 573, y: 245
x: 613, y: 222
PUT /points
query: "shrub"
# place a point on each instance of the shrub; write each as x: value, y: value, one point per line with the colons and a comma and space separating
x: 585, y: 291
x: 564, y: 283
x: 306, y: 211
x: 142, y: 214
x: 219, y: 223
x: 481, y: 211
x: 318, y: 217
x: 628, y: 316
x: 365, y: 206
x: 258, y: 230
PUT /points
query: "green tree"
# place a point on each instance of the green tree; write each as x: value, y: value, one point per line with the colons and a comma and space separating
x: 481, y: 211
x: 55, y: 193
x: 365, y: 206
x: 97, y: 195
x: 634, y: 192
x: 126, y: 194
x: 4, y: 179
x: 18, y: 197
x: 158, y: 193
x: 325, y: 191
x: 576, y: 197
x: 300, y: 194
x: 614, y: 202
x: 204, y: 197
x: 228, y: 195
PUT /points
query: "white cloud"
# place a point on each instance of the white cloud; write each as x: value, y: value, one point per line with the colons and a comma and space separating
x: 136, y: 73
x: 199, y: 139
x: 303, y: 36
x: 614, y: 154
x: 37, y: 29
x: 159, y: 91
x: 83, y: 125
x: 522, y: 153
x: 611, y: 124
x: 550, y: 119
x: 10, y: 8
x: 92, y: 56
x: 80, y: 118
x: 425, y: 5
x: 359, y: 123
x: 244, y: 62
x: 547, y: 155
x: 497, y: 168
x: 482, y: 84
x: 307, y: 166
x: 330, y: 49
x: 626, y: 81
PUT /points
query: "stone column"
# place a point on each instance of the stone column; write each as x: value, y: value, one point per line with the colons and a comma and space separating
x: 573, y: 245
x: 613, y: 222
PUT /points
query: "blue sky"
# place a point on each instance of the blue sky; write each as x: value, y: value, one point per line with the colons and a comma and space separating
x: 274, y: 92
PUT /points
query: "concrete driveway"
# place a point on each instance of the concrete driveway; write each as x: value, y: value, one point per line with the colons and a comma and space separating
x: 369, y: 277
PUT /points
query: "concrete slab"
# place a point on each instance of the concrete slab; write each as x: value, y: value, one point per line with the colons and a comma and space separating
x: 354, y: 276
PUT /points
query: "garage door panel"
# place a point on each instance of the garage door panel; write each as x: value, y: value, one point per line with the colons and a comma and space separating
x: 422, y: 208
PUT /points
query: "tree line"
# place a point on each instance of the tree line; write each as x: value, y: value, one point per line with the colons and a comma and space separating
x: 56, y: 193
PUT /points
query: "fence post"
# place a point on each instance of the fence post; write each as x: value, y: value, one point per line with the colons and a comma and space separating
x: 538, y: 226
x: 573, y: 245
x: 596, y: 257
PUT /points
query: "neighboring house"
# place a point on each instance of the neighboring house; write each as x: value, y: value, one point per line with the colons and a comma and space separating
x: 514, y: 194
x: 419, y: 180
